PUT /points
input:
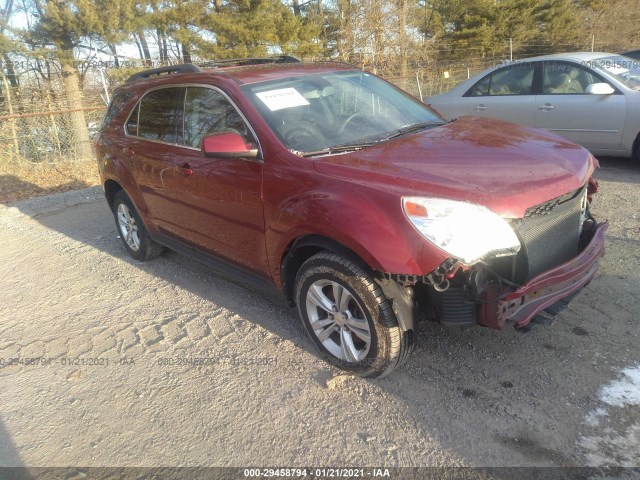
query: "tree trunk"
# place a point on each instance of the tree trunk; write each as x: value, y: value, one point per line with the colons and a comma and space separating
x: 4, y: 20
x: 116, y: 61
x: 296, y: 8
x: 137, y: 42
x: 378, y: 46
x: 160, y: 49
x: 12, y: 121
x: 54, y: 125
x: 165, y: 52
x: 11, y: 72
x: 345, y: 34
x: 402, y: 37
x: 186, y: 54
x: 145, y: 48
x: 79, y: 129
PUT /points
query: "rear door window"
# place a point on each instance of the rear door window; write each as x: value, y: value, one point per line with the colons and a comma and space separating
x: 161, y: 114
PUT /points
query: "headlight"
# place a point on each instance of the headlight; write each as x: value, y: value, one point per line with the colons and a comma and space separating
x: 464, y: 230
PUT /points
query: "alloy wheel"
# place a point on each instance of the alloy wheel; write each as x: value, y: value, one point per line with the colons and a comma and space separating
x: 338, y: 320
x: 128, y: 227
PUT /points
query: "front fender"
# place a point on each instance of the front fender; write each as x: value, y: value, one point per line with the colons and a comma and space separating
x: 367, y: 221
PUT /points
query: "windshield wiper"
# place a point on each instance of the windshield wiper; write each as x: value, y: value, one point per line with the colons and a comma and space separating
x: 358, y: 146
x: 413, y: 128
x: 339, y: 149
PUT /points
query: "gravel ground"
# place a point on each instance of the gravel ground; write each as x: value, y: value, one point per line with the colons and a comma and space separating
x: 121, y: 386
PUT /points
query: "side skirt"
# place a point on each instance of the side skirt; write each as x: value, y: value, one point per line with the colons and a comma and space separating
x: 228, y: 270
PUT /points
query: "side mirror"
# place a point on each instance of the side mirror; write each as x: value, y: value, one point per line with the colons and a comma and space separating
x: 228, y: 145
x: 599, y: 89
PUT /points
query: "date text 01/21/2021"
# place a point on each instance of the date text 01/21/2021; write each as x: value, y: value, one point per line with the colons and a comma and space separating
x: 66, y: 361
x: 318, y: 472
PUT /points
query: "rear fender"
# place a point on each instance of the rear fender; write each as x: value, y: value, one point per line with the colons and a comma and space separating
x: 115, y: 169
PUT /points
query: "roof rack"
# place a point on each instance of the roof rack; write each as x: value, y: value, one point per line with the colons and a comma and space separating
x: 192, y: 68
x: 241, y: 62
x: 184, y: 68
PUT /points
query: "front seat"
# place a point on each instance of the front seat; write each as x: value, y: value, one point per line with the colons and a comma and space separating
x: 560, y: 84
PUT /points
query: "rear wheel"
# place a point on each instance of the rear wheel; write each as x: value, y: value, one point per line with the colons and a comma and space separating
x: 348, y: 317
x: 132, y: 231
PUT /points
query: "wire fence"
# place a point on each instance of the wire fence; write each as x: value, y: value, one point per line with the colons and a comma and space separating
x: 36, y: 120
x: 44, y: 136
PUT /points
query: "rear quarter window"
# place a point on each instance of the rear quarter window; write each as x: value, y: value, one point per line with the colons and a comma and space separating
x: 132, y: 122
x: 117, y: 103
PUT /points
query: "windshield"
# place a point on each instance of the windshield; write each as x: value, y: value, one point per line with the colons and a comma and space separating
x: 624, y: 69
x: 318, y: 113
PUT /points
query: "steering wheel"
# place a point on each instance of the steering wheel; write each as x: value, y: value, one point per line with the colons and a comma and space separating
x: 347, y: 121
x: 303, y: 136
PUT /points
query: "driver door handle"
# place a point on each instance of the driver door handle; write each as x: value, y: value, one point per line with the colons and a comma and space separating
x: 185, y: 169
x: 546, y: 106
x: 480, y: 108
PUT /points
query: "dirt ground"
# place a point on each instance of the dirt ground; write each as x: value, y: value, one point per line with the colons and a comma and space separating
x: 168, y: 364
x: 21, y: 180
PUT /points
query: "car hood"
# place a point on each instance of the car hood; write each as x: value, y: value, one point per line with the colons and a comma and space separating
x: 505, y: 167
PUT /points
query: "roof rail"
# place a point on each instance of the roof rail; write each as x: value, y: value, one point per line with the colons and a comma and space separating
x: 240, y: 62
x: 183, y: 68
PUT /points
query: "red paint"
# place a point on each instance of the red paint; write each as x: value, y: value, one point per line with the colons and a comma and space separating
x: 503, y: 166
x: 224, y: 143
x: 251, y: 211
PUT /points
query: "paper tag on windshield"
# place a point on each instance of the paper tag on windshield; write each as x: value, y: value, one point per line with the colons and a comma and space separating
x: 282, y: 98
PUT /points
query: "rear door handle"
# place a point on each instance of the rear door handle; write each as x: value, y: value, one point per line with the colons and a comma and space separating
x: 480, y: 108
x: 128, y: 151
x: 546, y: 106
x: 185, y: 169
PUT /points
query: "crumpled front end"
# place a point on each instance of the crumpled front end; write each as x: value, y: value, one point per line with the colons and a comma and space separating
x: 561, y: 247
x: 517, y: 306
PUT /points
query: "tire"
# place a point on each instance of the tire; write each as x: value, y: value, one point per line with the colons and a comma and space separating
x: 341, y: 336
x: 131, y: 230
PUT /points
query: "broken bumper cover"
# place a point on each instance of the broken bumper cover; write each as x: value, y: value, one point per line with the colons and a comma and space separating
x: 519, y: 306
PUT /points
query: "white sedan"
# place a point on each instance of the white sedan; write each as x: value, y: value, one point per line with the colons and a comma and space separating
x: 592, y: 99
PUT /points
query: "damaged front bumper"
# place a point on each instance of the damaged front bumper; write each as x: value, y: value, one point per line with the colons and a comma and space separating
x: 519, y: 306
x: 454, y: 296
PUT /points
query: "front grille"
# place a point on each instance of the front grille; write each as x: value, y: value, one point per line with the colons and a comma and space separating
x: 549, y: 235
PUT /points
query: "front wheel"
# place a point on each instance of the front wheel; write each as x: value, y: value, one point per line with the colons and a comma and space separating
x: 348, y: 317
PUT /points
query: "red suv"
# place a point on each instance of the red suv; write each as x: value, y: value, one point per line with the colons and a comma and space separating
x: 365, y: 208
